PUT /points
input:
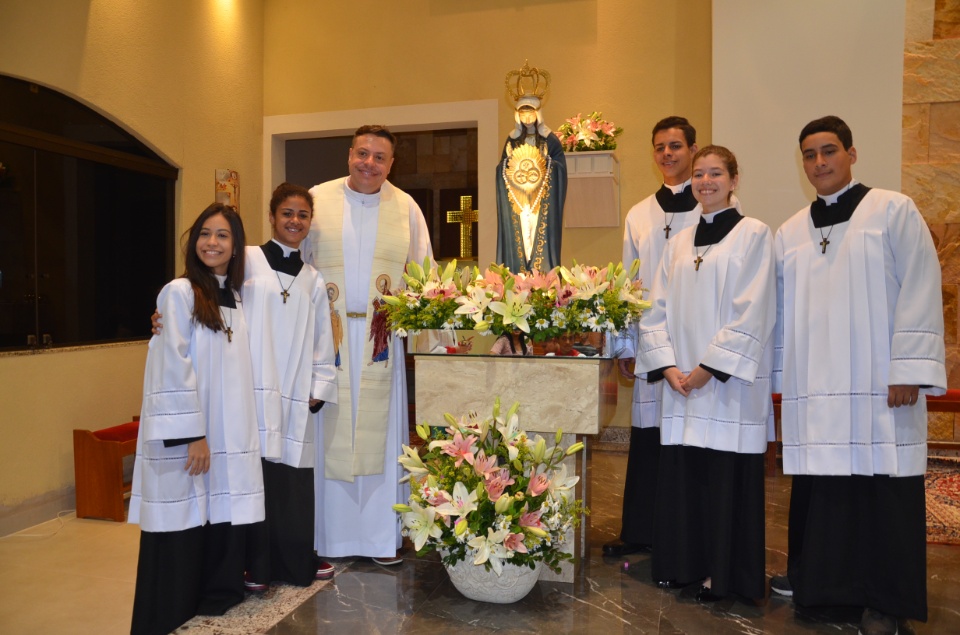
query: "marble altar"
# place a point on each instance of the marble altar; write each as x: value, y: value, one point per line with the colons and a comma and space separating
x: 577, y: 395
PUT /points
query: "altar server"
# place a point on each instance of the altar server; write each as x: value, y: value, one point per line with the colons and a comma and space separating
x: 197, y: 478
x: 287, y: 310
x: 649, y: 225
x: 364, y: 231
x: 708, y: 334
x: 859, y: 345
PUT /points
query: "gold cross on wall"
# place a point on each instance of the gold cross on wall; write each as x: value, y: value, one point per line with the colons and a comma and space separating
x: 466, y: 216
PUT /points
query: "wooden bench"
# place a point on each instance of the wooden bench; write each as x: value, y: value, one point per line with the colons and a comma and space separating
x: 949, y: 402
x: 98, y: 469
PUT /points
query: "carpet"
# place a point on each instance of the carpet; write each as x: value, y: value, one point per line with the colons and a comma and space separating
x: 259, y: 612
x: 942, y: 483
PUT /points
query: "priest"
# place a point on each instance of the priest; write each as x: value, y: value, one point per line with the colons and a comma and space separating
x: 364, y: 231
x: 649, y: 225
x: 860, y: 344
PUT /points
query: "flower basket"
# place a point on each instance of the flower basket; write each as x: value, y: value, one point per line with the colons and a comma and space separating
x: 476, y: 583
x: 584, y: 134
x: 578, y: 299
x: 486, y: 495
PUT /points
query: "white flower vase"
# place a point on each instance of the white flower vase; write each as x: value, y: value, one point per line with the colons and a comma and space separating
x: 476, y: 583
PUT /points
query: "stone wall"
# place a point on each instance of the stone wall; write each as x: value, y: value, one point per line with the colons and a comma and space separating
x: 931, y: 158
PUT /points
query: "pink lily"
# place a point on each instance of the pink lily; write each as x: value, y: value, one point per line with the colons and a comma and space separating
x: 538, y: 483
x: 497, y: 483
x: 460, y: 448
x: 514, y: 542
x: 484, y: 465
x: 531, y: 519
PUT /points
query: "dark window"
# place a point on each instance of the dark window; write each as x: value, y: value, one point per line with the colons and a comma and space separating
x: 86, y: 223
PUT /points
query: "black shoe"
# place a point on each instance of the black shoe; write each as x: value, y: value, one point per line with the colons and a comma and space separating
x: 780, y: 584
x: 705, y: 594
x: 619, y: 548
x: 874, y: 622
x: 671, y: 584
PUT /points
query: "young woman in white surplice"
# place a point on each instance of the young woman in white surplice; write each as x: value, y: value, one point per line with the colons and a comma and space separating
x: 286, y: 306
x: 707, y: 334
x: 197, y: 479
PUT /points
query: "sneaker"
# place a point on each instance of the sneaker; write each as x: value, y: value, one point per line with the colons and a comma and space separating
x: 780, y: 584
x: 389, y: 561
x: 250, y: 585
x: 324, y: 571
x: 877, y: 623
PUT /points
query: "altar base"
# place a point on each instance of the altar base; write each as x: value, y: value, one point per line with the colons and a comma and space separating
x: 577, y: 396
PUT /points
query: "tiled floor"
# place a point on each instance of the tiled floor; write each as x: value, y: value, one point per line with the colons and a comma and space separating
x: 69, y: 576
x: 78, y: 579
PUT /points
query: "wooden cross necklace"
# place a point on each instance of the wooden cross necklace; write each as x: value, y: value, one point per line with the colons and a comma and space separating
x: 699, y: 258
x: 826, y: 239
x: 667, y: 224
x: 228, y: 330
x: 285, y: 292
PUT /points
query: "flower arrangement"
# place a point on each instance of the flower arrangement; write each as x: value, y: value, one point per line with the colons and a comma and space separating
x: 485, y: 490
x: 428, y: 301
x: 581, y: 134
x: 543, y: 305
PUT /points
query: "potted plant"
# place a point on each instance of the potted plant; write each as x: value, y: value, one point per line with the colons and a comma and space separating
x: 494, y: 502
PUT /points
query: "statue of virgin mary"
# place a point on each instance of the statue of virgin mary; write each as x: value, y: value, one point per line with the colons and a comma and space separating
x: 531, y: 182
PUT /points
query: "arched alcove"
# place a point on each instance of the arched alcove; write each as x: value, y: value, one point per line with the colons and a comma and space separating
x: 86, y: 223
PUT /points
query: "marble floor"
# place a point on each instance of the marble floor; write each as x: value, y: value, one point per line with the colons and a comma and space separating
x: 76, y: 576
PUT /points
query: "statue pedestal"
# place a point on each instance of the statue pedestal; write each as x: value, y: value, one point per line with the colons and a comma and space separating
x: 593, y: 189
x: 577, y: 395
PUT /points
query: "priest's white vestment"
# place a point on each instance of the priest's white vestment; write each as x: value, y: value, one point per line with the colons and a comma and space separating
x: 292, y: 353
x: 721, y: 316
x: 197, y: 383
x: 865, y: 315
x: 356, y: 518
x: 644, y: 238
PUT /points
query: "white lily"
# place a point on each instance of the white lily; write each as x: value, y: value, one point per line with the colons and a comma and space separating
x: 474, y: 304
x: 514, y: 309
x: 462, y: 502
x: 420, y: 524
x: 585, y: 134
x: 561, y: 484
x: 485, y: 546
x: 411, y: 462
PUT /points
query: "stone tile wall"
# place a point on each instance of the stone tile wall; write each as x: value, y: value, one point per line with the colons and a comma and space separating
x: 931, y: 159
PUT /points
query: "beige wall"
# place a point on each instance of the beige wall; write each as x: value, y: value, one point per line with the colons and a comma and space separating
x: 44, y: 397
x: 186, y: 77
x: 774, y: 81
x: 634, y: 60
x: 193, y: 79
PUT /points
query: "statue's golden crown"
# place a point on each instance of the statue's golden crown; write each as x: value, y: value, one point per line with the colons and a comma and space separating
x: 527, y: 82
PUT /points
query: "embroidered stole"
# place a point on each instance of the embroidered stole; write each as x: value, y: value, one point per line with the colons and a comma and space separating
x: 354, y: 451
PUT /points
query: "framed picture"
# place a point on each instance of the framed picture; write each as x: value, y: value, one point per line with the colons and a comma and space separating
x: 228, y: 188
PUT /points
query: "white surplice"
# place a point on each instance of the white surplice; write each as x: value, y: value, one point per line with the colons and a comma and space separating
x: 196, y: 384
x: 356, y: 518
x: 644, y: 238
x: 865, y: 315
x: 291, y: 346
x: 721, y: 316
